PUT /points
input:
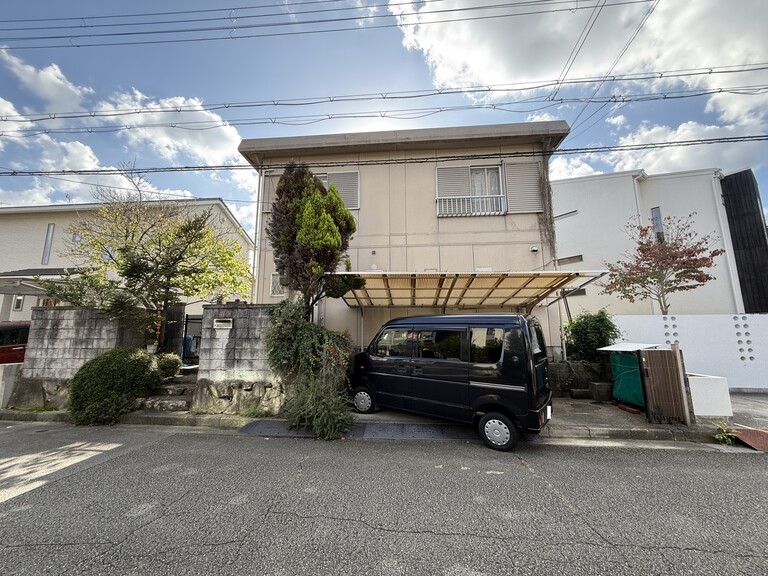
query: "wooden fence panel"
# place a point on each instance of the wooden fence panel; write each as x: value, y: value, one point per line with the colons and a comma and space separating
x: 664, y: 383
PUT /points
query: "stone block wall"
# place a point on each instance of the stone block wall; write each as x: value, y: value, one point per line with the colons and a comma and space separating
x: 8, y: 375
x: 61, y: 340
x: 233, y: 370
x: 565, y: 378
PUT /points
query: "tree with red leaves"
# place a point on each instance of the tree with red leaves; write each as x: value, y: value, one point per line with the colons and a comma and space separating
x: 662, y: 263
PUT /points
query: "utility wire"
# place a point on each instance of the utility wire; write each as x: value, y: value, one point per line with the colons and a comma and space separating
x: 389, y: 96
x: 478, y: 90
x: 535, y: 104
x: 612, y: 67
x: 386, y: 162
x: 157, y: 192
x: 76, y: 41
x: 229, y: 15
x: 588, y: 25
x: 228, y: 9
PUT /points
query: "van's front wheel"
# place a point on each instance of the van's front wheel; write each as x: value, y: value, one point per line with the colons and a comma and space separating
x: 362, y: 399
x: 498, y: 431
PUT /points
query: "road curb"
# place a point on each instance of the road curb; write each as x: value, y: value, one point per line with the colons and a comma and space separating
x: 22, y: 416
x: 696, y: 434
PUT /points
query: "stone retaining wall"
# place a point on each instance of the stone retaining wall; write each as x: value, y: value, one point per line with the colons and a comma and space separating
x: 61, y: 340
x: 234, y: 373
x: 8, y: 375
x: 567, y: 377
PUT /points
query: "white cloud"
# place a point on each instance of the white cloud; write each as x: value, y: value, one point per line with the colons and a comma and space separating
x: 541, y: 117
x: 10, y: 128
x: 51, y: 154
x: 194, y: 133
x: 561, y: 168
x: 725, y: 156
x: 677, y: 36
x: 522, y: 48
x: 366, y: 9
x: 536, y: 47
x: 47, y: 83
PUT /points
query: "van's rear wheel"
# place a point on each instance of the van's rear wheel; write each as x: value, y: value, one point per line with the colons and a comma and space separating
x: 498, y: 431
x: 362, y: 399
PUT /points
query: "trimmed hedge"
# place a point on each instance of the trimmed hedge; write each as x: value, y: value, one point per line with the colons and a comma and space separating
x: 168, y: 364
x: 108, y: 386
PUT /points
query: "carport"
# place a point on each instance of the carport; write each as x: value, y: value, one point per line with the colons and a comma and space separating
x: 514, y: 291
x: 23, y: 282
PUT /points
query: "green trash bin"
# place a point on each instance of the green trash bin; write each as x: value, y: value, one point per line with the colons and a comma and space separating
x: 627, y: 385
x: 625, y: 367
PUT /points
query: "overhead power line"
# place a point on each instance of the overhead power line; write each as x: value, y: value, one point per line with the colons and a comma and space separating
x: 519, y: 87
x: 241, y: 31
x: 615, y: 63
x: 385, y: 162
x: 232, y: 11
x: 525, y: 105
x: 590, y: 23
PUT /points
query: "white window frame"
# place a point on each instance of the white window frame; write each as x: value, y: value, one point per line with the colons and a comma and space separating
x: 276, y: 289
x: 18, y: 303
x: 658, y: 224
x: 456, y: 195
x: 48, y: 244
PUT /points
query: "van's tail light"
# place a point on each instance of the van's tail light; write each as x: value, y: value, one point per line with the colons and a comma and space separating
x: 545, y: 415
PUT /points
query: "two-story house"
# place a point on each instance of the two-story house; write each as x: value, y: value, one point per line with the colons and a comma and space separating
x: 449, y: 220
x: 35, y: 240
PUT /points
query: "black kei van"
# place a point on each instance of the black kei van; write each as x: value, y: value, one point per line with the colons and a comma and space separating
x: 489, y: 370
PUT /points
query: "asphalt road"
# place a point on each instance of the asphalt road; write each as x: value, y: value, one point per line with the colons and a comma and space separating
x: 151, y: 500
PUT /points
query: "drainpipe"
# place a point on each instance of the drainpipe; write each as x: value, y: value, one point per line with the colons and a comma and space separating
x: 641, y: 175
x: 257, y: 238
x: 722, y: 220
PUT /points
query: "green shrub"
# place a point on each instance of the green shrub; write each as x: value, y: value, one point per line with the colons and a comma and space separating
x: 168, y: 364
x: 313, y: 361
x: 319, y: 404
x: 108, y: 386
x: 588, y: 332
x: 725, y: 435
x: 295, y: 345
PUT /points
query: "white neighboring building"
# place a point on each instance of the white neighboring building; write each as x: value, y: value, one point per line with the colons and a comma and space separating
x: 591, y: 214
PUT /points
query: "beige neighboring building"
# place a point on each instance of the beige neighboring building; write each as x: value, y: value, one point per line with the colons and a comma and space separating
x: 450, y: 220
x: 35, y: 238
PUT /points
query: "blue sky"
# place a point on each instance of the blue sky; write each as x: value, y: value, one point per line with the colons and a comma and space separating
x: 677, y: 71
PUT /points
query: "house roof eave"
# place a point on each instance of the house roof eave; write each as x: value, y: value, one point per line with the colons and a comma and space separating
x: 547, y: 134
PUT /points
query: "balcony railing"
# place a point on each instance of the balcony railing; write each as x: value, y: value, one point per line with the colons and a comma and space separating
x: 470, y: 205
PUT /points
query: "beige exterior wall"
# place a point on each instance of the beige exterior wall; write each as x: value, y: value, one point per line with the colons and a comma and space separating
x: 24, y: 230
x: 398, y: 230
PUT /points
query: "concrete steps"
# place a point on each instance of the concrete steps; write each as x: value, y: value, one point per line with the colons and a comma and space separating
x: 174, y: 395
x: 178, y: 403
